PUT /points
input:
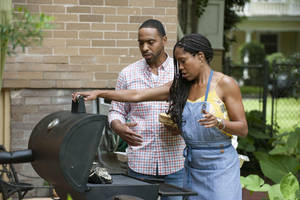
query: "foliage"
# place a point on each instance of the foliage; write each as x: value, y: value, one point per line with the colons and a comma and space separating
x: 258, y: 134
x: 280, y: 163
x: 231, y: 19
x: 287, y: 112
x: 230, y: 16
x: 201, y: 5
x: 277, y: 57
x: 255, y: 52
x: 25, y: 29
x: 276, y: 155
x: 276, y: 166
x: 288, y: 144
x: 273, y: 58
x: 258, y: 139
x: 283, y: 158
x: 285, y: 73
x: 286, y: 189
x: 294, y: 58
x: 253, y: 90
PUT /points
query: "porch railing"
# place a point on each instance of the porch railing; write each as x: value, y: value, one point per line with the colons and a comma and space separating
x: 264, y: 8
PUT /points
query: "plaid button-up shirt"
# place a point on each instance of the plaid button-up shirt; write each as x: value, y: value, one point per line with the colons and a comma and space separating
x: 159, y: 148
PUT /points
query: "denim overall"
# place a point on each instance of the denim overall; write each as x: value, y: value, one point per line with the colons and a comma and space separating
x: 211, y: 162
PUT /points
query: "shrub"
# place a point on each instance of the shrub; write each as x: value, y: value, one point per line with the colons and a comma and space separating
x: 255, y: 52
x: 251, y: 90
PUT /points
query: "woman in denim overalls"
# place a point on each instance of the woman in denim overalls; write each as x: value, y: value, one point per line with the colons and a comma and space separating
x: 212, y: 166
x: 207, y: 108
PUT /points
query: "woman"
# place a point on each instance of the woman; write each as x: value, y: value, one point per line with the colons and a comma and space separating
x: 207, y: 107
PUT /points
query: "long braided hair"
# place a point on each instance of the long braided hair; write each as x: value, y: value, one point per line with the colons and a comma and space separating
x: 179, y: 91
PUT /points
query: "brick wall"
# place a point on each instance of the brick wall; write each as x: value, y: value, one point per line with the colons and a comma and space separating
x: 91, y: 42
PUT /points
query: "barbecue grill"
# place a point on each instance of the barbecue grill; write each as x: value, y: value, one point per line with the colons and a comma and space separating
x: 62, y: 148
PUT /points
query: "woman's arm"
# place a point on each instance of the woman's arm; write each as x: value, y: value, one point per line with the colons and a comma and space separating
x: 150, y: 94
x: 231, y: 96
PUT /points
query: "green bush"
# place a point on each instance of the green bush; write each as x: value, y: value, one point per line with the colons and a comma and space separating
x: 255, y: 51
x: 24, y: 29
x: 251, y: 90
x: 258, y: 139
x: 255, y: 54
x: 294, y: 58
x: 277, y: 57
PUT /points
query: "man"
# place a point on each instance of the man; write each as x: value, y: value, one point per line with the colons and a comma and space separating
x: 154, y: 152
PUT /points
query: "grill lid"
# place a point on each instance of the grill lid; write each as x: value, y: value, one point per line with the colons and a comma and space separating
x: 64, y: 146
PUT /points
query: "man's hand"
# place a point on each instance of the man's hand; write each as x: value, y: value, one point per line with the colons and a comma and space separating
x: 124, y: 131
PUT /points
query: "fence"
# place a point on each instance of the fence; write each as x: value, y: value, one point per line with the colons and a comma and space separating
x: 272, y: 89
x: 285, y: 92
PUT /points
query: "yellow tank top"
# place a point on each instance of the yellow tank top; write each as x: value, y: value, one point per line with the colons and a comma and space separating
x: 217, y: 108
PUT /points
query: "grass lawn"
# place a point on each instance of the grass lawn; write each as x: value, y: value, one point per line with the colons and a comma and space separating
x: 286, y: 111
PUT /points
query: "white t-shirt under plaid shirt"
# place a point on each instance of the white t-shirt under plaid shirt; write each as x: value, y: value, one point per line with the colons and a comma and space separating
x: 159, y: 148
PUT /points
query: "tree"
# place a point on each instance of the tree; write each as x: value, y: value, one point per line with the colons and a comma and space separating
x: 231, y: 18
x: 19, y: 28
x: 5, y: 18
x: 191, y: 10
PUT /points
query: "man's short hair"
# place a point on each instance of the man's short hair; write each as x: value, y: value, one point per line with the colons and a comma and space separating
x: 153, y: 23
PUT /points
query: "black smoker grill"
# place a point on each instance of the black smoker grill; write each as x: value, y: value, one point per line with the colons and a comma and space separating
x: 62, y: 148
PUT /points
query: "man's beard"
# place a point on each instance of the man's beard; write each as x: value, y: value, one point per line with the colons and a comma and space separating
x: 154, y: 57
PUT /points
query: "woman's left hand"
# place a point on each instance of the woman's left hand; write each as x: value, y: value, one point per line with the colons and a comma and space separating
x: 208, y: 120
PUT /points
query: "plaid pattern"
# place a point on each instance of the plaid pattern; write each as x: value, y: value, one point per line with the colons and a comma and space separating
x: 160, y: 148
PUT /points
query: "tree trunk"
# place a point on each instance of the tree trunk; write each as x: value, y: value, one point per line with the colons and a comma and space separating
x: 194, y: 17
x: 184, y: 15
x: 5, y: 18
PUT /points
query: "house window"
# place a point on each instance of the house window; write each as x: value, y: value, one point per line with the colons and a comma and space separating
x: 270, y: 42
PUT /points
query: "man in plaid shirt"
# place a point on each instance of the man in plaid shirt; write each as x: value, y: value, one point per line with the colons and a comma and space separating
x: 154, y: 152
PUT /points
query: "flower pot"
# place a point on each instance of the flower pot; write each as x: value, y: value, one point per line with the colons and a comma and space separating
x: 248, y: 195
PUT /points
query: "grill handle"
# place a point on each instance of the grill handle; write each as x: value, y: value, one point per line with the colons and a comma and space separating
x: 78, y: 106
x: 21, y: 156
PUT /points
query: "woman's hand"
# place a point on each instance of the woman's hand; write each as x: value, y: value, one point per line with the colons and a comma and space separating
x: 208, y: 120
x: 87, y: 96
